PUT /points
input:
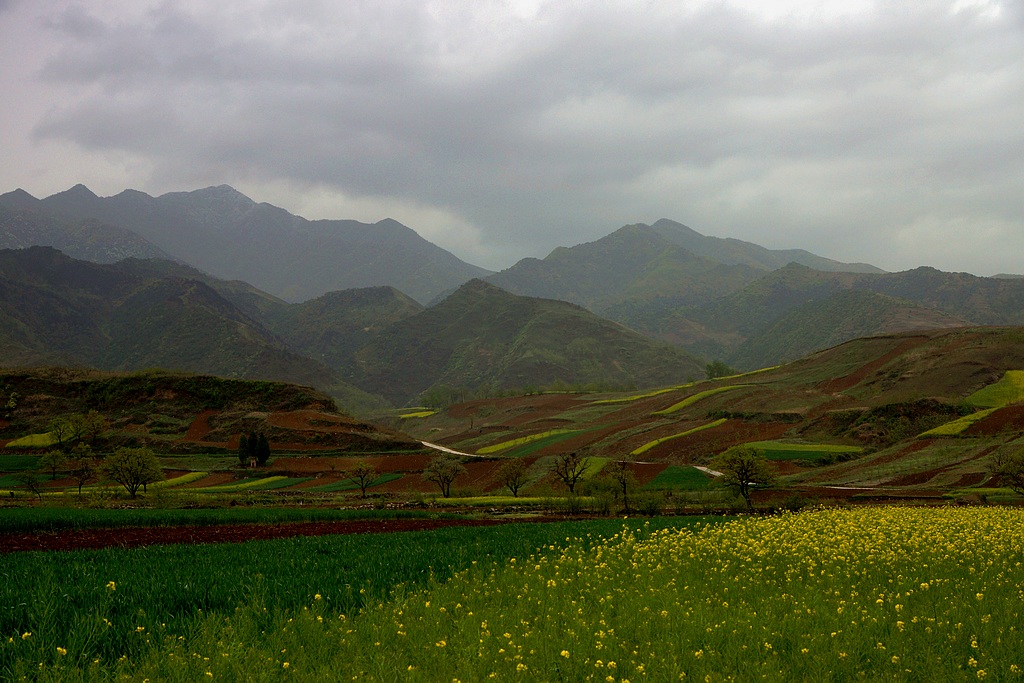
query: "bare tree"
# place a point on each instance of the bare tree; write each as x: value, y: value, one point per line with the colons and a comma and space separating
x: 59, y: 430
x: 443, y: 470
x: 30, y: 482
x: 570, y: 468
x: 83, y: 466
x: 95, y: 424
x: 1009, y: 467
x: 362, y: 475
x: 625, y: 481
x: 512, y: 475
x: 53, y: 462
x: 742, y: 468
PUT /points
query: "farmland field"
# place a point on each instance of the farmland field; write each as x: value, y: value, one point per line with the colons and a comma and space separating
x: 836, y: 594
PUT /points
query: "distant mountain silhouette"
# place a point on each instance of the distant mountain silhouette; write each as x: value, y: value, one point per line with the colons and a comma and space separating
x: 222, y: 232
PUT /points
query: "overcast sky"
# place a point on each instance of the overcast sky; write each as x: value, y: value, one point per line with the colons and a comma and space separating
x: 886, y: 132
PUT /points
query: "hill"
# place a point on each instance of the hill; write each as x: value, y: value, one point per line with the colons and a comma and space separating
x: 651, y: 277
x: 183, y: 413
x: 58, y: 309
x: 918, y: 415
x: 775, y: 310
x: 483, y: 338
x: 732, y: 251
x: 222, y: 232
x: 359, y: 344
x: 334, y: 326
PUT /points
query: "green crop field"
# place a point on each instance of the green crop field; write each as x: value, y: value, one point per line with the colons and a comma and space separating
x: 33, y: 441
x: 349, y: 485
x: 690, y: 400
x: 956, y: 427
x: 657, y: 442
x: 676, y: 478
x: 778, y: 450
x: 1009, y: 389
x: 505, y: 445
x: 54, y: 519
x: 18, y: 463
x: 873, y: 593
x: 637, y: 397
x: 122, y: 603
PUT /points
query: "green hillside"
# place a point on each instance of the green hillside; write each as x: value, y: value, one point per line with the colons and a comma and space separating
x: 59, y: 309
x: 483, y: 337
x: 180, y: 413
x: 851, y: 421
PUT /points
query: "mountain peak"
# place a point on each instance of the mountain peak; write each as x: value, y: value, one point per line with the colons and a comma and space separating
x: 79, y: 191
x: 18, y: 199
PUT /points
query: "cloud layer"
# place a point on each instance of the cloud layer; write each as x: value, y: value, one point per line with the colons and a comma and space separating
x: 886, y: 132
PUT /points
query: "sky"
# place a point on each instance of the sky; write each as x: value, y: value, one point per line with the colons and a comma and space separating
x: 888, y: 132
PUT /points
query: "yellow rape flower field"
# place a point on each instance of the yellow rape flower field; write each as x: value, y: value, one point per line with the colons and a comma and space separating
x: 905, y: 594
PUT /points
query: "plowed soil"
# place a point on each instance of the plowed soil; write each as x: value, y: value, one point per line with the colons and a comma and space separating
x: 1008, y: 419
x: 224, y: 533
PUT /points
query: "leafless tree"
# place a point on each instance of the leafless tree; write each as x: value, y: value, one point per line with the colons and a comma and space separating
x: 443, y: 470
x: 570, y: 468
x: 512, y: 475
x: 362, y: 475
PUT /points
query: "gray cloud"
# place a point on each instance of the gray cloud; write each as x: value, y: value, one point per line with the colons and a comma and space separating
x: 885, y: 136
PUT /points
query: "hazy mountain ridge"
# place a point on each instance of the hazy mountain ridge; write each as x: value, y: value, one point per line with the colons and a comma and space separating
x: 732, y: 251
x: 716, y: 298
x: 111, y: 318
x: 482, y: 336
x: 23, y: 225
x: 221, y: 231
x: 145, y: 313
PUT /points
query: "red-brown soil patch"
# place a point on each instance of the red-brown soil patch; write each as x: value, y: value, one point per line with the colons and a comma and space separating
x: 710, y: 442
x: 646, y: 472
x: 834, y: 386
x: 971, y: 479
x: 1008, y: 419
x: 222, y: 533
x: 521, y: 409
x: 311, y: 420
x: 200, y: 426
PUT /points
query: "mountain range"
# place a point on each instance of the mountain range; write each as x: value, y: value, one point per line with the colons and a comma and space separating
x: 356, y: 344
x: 376, y: 308
x: 222, y: 232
